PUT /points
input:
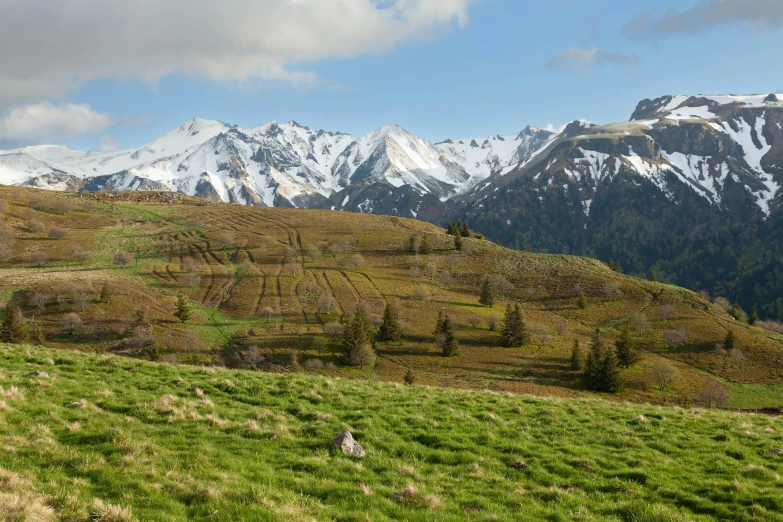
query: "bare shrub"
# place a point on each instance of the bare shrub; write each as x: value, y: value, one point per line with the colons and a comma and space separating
x: 35, y: 226
x: 39, y: 300
x: 414, y: 272
x: 502, y: 286
x: 57, y: 233
x: 253, y: 356
x: 421, y: 293
x: 80, y: 300
x: 71, y: 323
x: 335, y: 249
x: 96, y: 221
x: 431, y: 270
x: 446, y: 279
x: 122, y: 258
x: 493, y: 320
x: 326, y: 304
x: 78, y: 254
x: 357, y: 261
x: 640, y: 324
x: 292, y: 268
x: 362, y: 356
x: 663, y: 375
x: 467, y: 246
x: 714, y: 395
x: 38, y: 258
x: 334, y: 329
x: 771, y: 326
x: 313, y: 252
x: 248, y: 268
x: 313, y: 365
x: 39, y: 202
x: 665, y: 312
x: 267, y: 312
x: 723, y: 303
x: 675, y: 337
x: 451, y: 261
x: 194, y: 222
x: 141, y: 338
x: 560, y: 326
x: 612, y: 290
x: 474, y: 321
x: 89, y: 206
x: 223, y: 238
x: 62, y: 206
x: 705, y: 295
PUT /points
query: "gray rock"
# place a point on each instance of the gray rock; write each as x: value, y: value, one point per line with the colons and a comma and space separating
x: 776, y: 451
x: 348, y: 445
x: 40, y: 375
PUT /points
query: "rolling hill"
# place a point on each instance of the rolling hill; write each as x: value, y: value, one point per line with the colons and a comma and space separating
x: 270, y: 288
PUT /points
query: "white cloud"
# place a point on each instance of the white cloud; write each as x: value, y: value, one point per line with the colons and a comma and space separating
x: 50, y: 46
x: 557, y: 130
x: 45, y: 122
x: 107, y: 143
x: 761, y: 14
x: 585, y: 60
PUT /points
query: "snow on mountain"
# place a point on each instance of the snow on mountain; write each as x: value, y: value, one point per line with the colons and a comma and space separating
x: 705, y: 107
x: 483, y: 157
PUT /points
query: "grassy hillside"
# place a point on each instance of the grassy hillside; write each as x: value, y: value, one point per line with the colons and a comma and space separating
x: 116, y: 439
x: 259, y: 277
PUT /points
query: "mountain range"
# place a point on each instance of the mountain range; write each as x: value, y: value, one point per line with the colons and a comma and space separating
x: 688, y: 187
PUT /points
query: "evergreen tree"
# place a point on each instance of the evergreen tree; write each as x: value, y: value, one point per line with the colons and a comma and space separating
x: 730, y: 341
x: 514, y: 332
x: 183, y: 312
x: 581, y: 302
x: 37, y: 334
x: 444, y: 331
x: 458, y: 240
x: 410, y: 377
x: 754, y: 316
x: 592, y: 368
x: 390, y: 329
x: 610, y: 378
x: 577, y: 357
x: 465, y: 230
x: 452, y: 230
x: 625, y: 350
x: 13, y: 330
x: 359, y: 331
x: 487, y: 297
x: 653, y: 276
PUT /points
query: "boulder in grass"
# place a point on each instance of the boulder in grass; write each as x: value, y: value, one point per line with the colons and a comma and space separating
x: 348, y: 445
x: 38, y: 375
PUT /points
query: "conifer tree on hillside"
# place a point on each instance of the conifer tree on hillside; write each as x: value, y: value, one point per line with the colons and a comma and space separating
x: 358, y: 332
x: 730, y: 341
x: 465, y: 230
x: 592, y: 367
x: 611, y: 379
x: 445, y: 336
x: 514, y: 332
x: 577, y: 357
x: 487, y: 297
x: 625, y: 349
x: 753, y: 317
x: 390, y: 329
x: 13, y: 330
x: 183, y: 312
x: 458, y: 240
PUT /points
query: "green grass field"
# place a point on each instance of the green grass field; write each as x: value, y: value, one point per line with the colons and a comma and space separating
x: 117, y: 439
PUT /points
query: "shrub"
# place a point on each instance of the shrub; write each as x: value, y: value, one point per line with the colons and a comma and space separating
x: 357, y: 261
x: 362, y: 355
x: 492, y: 320
x: 313, y: 365
x: 663, y: 375
x: 474, y: 321
x: 410, y: 377
x: 39, y: 258
x: 57, y: 233
x: 122, y: 258
x: 71, y: 323
x: 223, y: 238
x: 78, y: 254
x: 35, y: 226
x: 714, y: 395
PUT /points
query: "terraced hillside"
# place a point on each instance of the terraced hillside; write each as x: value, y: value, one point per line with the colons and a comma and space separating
x: 270, y: 288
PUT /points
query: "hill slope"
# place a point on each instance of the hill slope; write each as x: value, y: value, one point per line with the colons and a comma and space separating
x: 271, y: 287
x: 105, y: 438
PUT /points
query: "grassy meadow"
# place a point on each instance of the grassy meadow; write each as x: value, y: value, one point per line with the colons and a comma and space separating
x: 107, y: 438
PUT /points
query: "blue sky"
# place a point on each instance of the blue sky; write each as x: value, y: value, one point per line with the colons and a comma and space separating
x: 484, y: 67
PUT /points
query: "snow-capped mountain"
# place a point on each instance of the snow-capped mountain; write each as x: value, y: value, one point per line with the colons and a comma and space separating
x: 270, y: 165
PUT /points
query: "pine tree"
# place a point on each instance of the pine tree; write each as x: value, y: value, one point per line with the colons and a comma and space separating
x: 625, y: 350
x: 410, y: 377
x: 448, y: 339
x: 183, y: 312
x: 487, y: 297
x: 577, y: 357
x: 730, y: 341
x: 581, y: 302
x: 592, y: 368
x: 465, y: 230
x: 458, y: 240
x: 514, y: 332
x: 452, y: 230
x: 390, y: 329
x: 359, y: 331
x: 13, y: 330
x: 610, y: 378
x: 753, y: 317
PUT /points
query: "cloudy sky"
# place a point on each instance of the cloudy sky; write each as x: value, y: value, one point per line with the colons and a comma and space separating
x: 106, y: 74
